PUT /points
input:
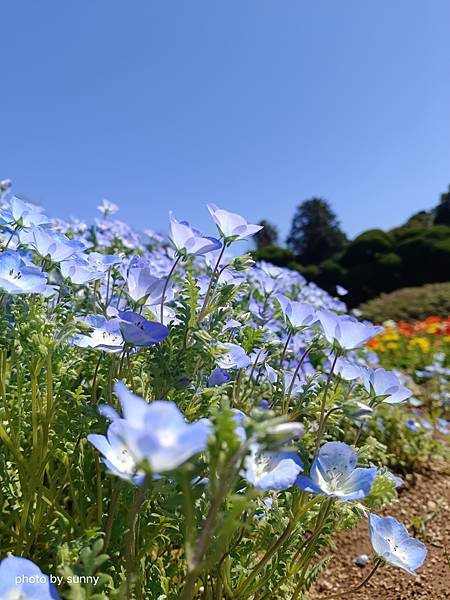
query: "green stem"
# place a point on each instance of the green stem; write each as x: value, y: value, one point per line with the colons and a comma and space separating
x: 309, y: 548
x: 283, y: 354
x: 166, y: 284
x: 98, y: 475
x: 211, y: 282
x: 209, y: 523
x: 323, y: 405
x: 291, y: 387
x: 49, y: 406
x: 133, y: 515
x: 301, y: 509
x: 111, y: 515
x: 94, y: 379
x: 16, y: 227
x: 189, y: 517
x: 356, y: 588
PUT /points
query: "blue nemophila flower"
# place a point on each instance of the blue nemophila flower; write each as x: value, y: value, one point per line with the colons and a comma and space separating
x: 80, y: 270
x: 392, y: 542
x: 398, y: 481
x: 231, y: 225
x: 105, y: 334
x: 188, y: 240
x: 234, y: 357
x: 382, y: 383
x: 271, y: 374
x: 133, y: 406
x: 334, y: 473
x: 239, y: 417
x: 298, y: 314
x: 341, y: 291
x: 443, y: 426
x: 28, y: 214
x: 231, y: 324
x: 107, y: 208
x: 298, y: 384
x: 267, y: 504
x: 414, y: 402
x: 5, y: 185
x: 103, y: 262
x: 21, y: 579
x: 412, y: 424
x: 142, y: 284
x: 356, y: 409
x: 285, y: 432
x: 162, y: 437
x: 346, y: 331
x: 50, y: 243
x: 271, y: 470
x: 138, y: 331
x: 116, y: 455
x: 16, y: 277
x: 219, y: 377
x: 347, y: 370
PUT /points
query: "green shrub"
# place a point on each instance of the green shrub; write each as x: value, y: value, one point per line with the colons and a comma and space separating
x: 367, y: 246
x: 410, y: 303
x: 425, y: 253
x: 330, y: 273
x: 281, y: 257
x: 311, y: 272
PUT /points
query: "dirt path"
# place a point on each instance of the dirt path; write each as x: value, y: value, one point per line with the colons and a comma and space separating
x: 424, y: 507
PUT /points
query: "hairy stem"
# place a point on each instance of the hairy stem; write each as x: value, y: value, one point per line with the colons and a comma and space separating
x: 323, y: 405
x: 166, y: 285
x: 357, y: 588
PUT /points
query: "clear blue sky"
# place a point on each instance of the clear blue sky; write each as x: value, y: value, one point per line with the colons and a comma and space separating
x: 254, y: 105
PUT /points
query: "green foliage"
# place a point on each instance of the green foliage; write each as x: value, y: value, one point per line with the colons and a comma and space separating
x: 376, y: 261
x: 406, y: 450
x: 366, y: 247
x: 442, y: 211
x: 281, y: 257
x: 410, y: 303
x: 328, y: 274
x: 423, y: 218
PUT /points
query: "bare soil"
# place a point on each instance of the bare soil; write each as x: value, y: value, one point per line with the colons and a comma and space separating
x: 424, y: 507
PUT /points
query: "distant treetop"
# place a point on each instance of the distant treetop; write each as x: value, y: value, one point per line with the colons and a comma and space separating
x: 315, y: 232
x: 268, y: 236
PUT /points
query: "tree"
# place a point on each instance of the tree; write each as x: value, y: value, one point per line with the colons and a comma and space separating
x: 315, y: 232
x: 442, y: 211
x: 268, y: 236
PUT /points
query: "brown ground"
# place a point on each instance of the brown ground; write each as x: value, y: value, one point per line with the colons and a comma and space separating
x: 424, y: 507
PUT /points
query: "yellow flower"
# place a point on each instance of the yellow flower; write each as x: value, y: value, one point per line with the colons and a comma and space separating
x: 392, y: 345
x: 392, y: 336
x: 421, y: 343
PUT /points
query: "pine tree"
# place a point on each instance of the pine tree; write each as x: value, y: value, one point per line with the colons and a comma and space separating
x: 315, y: 232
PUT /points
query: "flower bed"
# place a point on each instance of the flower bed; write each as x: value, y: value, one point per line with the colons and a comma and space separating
x: 178, y: 422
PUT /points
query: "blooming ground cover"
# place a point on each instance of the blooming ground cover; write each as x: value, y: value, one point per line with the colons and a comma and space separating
x: 178, y: 422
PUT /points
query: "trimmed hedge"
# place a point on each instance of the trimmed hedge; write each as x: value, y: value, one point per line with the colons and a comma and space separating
x: 377, y: 262
x: 276, y: 255
x: 411, y: 303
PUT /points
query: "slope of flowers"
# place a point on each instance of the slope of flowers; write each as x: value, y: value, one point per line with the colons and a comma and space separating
x: 174, y: 417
